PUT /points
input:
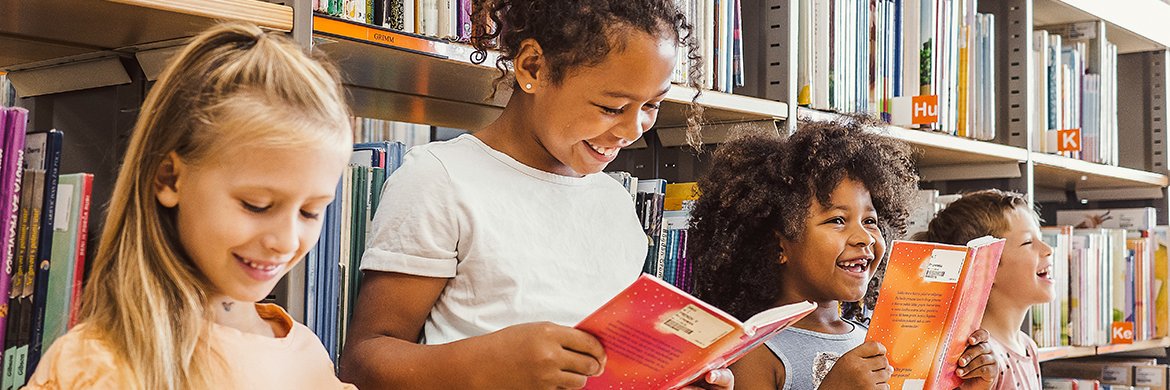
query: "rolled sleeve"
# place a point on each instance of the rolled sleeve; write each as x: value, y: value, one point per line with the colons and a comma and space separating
x: 416, y: 228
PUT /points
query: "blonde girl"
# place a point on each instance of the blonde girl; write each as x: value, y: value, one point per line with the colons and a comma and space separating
x: 236, y: 154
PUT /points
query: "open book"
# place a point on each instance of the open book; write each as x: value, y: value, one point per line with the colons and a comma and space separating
x: 931, y: 300
x: 659, y: 337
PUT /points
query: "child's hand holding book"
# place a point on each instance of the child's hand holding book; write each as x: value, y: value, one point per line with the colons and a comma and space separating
x: 862, y: 368
x: 977, y: 365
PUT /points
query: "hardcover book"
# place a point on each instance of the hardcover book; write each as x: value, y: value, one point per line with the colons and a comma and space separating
x: 658, y: 337
x: 930, y: 302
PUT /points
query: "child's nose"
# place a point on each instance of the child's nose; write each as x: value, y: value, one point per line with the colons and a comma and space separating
x: 282, y: 236
x: 858, y: 235
x: 632, y: 128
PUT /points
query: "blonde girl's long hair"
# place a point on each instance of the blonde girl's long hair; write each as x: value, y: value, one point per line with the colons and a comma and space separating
x: 233, y: 87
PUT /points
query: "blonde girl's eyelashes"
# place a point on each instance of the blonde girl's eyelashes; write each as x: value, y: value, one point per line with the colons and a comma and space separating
x: 254, y: 208
x: 654, y: 106
x: 310, y: 215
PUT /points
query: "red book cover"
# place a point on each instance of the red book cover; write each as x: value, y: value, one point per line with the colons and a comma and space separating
x: 931, y: 300
x: 82, y: 236
x: 658, y: 337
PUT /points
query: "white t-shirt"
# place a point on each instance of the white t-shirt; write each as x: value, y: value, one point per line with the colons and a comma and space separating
x: 520, y: 244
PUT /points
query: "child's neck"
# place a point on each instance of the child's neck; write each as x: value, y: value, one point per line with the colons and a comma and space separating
x: 1003, y: 319
x: 825, y: 319
x: 239, y: 315
x: 512, y: 134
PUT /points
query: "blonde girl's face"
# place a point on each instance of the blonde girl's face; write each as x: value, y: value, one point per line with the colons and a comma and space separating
x: 245, y: 218
x: 1025, y: 267
x: 595, y: 111
x: 839, y: 250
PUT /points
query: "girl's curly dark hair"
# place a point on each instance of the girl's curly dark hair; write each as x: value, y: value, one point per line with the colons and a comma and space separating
x: 581, y: 33
x: 761, y: 186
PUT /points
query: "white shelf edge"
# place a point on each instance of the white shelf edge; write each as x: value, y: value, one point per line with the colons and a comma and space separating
x: 1148, y: 24
x: 747, y: 105
x: 1138, y: 176
x: 946, y: 141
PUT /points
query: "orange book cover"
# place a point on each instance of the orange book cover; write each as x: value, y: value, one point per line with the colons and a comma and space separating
x: 931, y: 300
x: 657, y: 336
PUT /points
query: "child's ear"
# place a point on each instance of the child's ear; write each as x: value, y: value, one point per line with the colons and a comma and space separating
x: 528, y: 65
x: 166, y: 180
x: 783, y: 257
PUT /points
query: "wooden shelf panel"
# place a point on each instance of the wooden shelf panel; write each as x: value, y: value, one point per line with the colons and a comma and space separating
x: 1133, y: 25
x: 419, y: 71
x: 1052, y: 353
x: 34, y: 31
x: 1059, y: 172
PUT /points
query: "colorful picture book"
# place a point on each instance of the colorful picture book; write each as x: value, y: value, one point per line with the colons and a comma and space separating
x: 658, y: 337
x: 930, y: 302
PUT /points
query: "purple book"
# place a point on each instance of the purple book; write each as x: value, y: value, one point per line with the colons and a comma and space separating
x: 464, y: 20
x: 11, y: 159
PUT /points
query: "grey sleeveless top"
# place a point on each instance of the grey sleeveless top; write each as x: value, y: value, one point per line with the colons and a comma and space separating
x: 807, y: 356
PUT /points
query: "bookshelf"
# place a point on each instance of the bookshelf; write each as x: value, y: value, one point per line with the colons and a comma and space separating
x: 45, y: 44
x: 406, y: 77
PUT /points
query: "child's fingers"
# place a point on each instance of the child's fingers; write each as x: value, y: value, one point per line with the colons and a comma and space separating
x: 974, y: 351
x: 721, y: 377
x: 870, y: 349
x: 980, y: 335
x: 577, y: 363
x: 587, y: 348
x: 985, y: 372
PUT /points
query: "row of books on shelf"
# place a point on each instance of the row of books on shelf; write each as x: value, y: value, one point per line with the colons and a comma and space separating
x: 664, y: 212
x: 875, y: 56
x: 1105, y: 374
x: 332, y: 274
x: 717, y: 26
x: 1076, y: 88
x: 378, y: 130
x: 1109, y: 268
x: 44, y: 217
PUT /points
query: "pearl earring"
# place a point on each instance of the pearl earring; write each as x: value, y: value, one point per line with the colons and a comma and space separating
x: 527, y: 86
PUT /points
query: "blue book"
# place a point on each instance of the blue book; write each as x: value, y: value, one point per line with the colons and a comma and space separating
x: 50, y: 161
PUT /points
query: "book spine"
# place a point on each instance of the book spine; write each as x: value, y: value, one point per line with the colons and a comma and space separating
x: 10, y: 181
x: 82, y: 238
x: 41, y: 282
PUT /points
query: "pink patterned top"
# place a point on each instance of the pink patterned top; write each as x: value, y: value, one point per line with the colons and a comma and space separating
x: 1017, y: 371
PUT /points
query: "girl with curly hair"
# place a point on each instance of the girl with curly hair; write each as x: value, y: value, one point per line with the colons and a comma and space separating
x: 1023, y: 279
x: 497, y: 243
x: 806, y: 219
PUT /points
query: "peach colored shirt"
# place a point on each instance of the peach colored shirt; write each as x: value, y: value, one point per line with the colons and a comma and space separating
x: 294, y: 360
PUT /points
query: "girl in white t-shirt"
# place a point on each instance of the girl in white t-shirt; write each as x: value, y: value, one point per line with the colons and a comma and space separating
x: 491, y: 246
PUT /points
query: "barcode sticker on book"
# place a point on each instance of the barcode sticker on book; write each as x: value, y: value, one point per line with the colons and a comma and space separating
x: 943, y: 266
x: 914, y: 384
x: 696, y: 326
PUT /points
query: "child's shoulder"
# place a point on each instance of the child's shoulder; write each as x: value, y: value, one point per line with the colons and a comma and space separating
x: 79, y: 359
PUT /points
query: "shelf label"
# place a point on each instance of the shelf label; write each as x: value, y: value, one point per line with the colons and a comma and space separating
x: 1068, y: 140
x: 924, y: 109
x: 1122, y: 333
x: 1082, y: 30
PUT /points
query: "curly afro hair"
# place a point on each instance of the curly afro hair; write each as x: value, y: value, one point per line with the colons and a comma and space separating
x: 761, y: 186
x: 582, y: 33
